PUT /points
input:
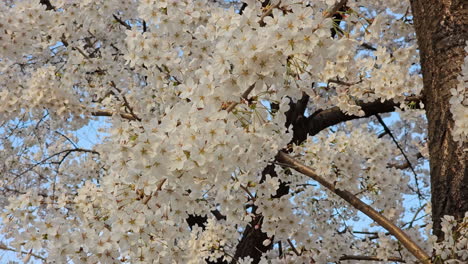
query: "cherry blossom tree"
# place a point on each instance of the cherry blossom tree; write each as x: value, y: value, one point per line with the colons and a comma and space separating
x: 234, y: 132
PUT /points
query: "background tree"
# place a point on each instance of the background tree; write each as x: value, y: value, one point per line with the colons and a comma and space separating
x: 233, y: 132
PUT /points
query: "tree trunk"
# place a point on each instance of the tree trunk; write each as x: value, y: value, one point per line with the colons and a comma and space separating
x: 442, y: 30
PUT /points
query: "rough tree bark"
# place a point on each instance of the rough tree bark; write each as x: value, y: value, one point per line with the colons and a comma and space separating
x: 442, y: 30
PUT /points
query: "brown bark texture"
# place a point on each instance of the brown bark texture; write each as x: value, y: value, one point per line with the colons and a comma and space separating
x: 442, y: 31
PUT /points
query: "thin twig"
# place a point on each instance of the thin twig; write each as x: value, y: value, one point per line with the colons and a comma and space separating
x: 280, y: 249
x: 4, y: 247
x: 387, y: 130
x: 145, y: 28
x: 368, y: 46
x: 342, y: 82
x: 293, y: 248
x: 126, y: 104
x: 248, y: 192
x: 110, y: 113
x: 67, y: 152
x: 123, y: 23
x: 82, y: 53
x: 372, y: 258
x: 159, y: 188
x: 366, y: 232
x: 244, y: 96
x: 67, y: 138
x: 410, y: 223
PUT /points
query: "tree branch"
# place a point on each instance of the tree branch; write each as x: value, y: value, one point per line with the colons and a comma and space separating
x: 335, y: 8
x: 322, y: 119
x: 47, y: 3
x: 123, y: 23
x: 126, y: 104
x: 243, y: 96
x: 159, y: 188
x: 67, y: 138
x: 372, y: 258
x: 387, y: 130
x: 293, y: 248
x: 110, y: 113
x: 67, y: 152
x: 4, y: 247
x: 404, y: 239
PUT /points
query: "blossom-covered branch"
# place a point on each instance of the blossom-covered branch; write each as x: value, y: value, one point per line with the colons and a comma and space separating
x: 361, y: 206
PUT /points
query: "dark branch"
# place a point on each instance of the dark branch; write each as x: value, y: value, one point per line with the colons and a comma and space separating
x: 387, y: 131
x: 109, y: 113
x: 145, y: 28
x: 368, y: 46
x: 123, y: 23
x: 251, y: 243
x: 295, y: 117
x: 372, y: 258
x: 322, y: 119
x: 126, y: 104
x: 48, y: 5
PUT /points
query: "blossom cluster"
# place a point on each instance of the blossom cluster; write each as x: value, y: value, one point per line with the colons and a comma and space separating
x: 454, y: 247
